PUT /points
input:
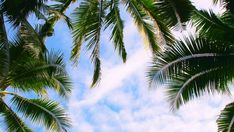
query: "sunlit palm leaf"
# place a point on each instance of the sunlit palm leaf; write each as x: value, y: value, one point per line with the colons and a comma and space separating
x: 163, y: 33
x: 143, y: 22
x: 31, y: 38
x: 45, y: 112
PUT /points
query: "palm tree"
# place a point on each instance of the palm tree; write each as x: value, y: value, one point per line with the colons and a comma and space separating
x: 27, y: 66
x: 23, y: 71
x: 153, y: 18
x: 200, y: 64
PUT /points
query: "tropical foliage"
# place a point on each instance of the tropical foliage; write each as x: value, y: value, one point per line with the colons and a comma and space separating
x: 201, y: 63
x: 190, y: 67
x: 27, y: 66
x: 94, y: 16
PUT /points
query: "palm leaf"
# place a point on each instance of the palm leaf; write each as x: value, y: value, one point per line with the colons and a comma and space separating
x: 226, y: 119
x: 47, y: 29
x: 193, y: 67
x: 13, y: 122
x: 87, y: 24
x: 16, y: 11
x: 113, y: 20
x: 143, y: 22
x: 210, y: 26
x: 174, y: 11
x: 31, y: 38
x: 4, y: 49
x: 49, y: 71
x: 43, y: 112
x: 164, y: 34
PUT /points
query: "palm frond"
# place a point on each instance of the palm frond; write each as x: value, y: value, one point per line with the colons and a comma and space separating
x: 13, y: 122
x: 56, y: 12
x: 226, y: 119
x: 193, y: 67
x: 16, y: 11
x: 44, y: 112
x: 37, y: 74
x: 174, y: 11
x: 210, y: 26
x: 87, y: 24
x: 4, y: 49
x: 113, y: 20
x: 31, y: 38
x: 143, y: 22
x: 163, y: 33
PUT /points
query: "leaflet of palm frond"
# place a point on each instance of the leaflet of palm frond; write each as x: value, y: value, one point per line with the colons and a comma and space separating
x: 35, y: 74
x: 42, y: 111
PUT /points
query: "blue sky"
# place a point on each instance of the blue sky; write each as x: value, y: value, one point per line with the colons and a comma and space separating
x: 122, y: 102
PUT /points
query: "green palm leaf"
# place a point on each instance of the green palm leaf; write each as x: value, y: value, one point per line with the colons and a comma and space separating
x: 4, y: 49
x: 210, y: 26
x: 13, y: 122
x: 113, y: 20
x: 38, y: 74
x: 142, y: 20
x: 193, y: 67
x: 31, y: 38
x: 16, y: 10
x: 42, y: 111
x: 226, y: 119
x: 174, y: 11
x: 88, y: 21
x: 163, y: 33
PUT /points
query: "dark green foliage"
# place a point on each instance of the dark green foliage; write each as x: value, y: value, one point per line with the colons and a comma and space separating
x: 175, y: 11
x: 226, y: 118
x: 17, y: 10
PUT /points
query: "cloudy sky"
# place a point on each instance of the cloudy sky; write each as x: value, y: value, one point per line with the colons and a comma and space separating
x: 122, y: 102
